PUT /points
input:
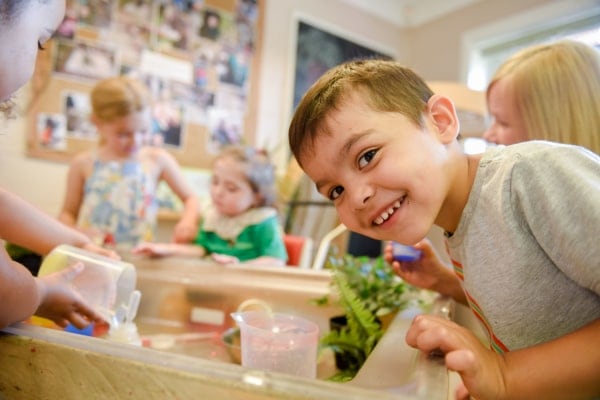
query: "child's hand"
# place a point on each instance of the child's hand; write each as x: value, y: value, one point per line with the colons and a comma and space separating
x: 427, y: 272
x: 482, y: 370
x: 61, y: 303
x: 94, y: 248
x: 224, y: 259
x: 153, y: 249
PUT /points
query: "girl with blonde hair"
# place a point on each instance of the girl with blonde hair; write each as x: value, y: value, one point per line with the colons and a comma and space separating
x: 111, y: 191
x: 547, y: 92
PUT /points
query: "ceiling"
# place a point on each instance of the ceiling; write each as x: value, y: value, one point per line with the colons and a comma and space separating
x: 409, y: 13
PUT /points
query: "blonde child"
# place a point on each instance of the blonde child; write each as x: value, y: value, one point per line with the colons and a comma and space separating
x: 111, y: 191
x: 241, y: 223
x: 519, y: 220
x: 549, y: 92
x: 25, y: 25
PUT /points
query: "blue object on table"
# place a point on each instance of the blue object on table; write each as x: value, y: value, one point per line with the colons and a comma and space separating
x: 405, y: 253
x: 87, y: 331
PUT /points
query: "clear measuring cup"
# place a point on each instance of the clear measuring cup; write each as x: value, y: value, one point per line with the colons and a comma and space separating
x: 106, y: 284
x: 278, y: 342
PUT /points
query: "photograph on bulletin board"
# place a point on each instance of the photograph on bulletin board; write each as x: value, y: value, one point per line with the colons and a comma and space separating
x: 77, y: 111
x: 51, y: 130
x: 198, y: 59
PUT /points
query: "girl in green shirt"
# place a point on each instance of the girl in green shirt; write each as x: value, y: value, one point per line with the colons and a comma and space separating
x: 240, y: 224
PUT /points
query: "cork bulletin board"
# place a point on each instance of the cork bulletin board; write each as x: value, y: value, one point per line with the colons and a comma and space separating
x: 199, y: 59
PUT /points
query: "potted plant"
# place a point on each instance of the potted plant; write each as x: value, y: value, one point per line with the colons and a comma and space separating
x: 371, y: 294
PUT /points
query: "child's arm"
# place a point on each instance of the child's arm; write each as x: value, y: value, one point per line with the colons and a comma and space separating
x: 19, y: 293
x: 428, y: 272
x: 169, y: 249
x: 566, y: 367
x: 73, y: 191
x: 264, y: 260
x: 25, y: 225
x: 187, y: 227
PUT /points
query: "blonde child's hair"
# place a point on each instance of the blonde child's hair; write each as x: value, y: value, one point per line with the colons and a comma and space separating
x: 118, y: 97
x: 557, y: 89
x: 259, y: 171
x: 385, y: 85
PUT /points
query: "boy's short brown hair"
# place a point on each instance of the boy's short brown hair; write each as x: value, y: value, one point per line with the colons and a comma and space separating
x: 386, y: 85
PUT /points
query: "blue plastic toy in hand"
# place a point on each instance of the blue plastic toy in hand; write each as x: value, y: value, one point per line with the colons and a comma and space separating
x: 405, y: 253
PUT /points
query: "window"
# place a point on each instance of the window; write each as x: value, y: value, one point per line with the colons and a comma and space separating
x: 487, y: 48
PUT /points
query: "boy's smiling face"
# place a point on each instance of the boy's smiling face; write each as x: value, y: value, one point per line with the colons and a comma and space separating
x: 386, y: 176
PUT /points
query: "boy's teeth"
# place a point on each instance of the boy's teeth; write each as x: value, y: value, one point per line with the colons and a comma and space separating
x: 386, y: 214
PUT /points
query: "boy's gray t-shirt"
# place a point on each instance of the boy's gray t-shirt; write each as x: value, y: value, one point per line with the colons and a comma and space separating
x: 528, y: 242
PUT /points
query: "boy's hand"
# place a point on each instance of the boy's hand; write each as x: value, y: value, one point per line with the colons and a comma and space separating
x: 61, y: 303
x: 482, y: 370
x: 426, y: 273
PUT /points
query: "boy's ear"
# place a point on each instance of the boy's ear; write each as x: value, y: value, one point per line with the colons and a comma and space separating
x: 442, y: 114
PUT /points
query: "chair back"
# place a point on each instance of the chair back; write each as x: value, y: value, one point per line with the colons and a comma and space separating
x: 299, y: 250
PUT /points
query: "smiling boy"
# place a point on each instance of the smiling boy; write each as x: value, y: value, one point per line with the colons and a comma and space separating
x: 520, y: 220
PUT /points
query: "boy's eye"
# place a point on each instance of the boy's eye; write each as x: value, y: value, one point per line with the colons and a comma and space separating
x: 366, y: 158
x: 335, y: 192
x: 40, y: 46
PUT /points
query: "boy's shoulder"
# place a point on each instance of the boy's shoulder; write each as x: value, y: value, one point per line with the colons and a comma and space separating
x: 535, y: 151
x: 532, y: 160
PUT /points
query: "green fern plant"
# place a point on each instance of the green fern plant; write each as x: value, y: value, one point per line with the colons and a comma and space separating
x: 357, y: 339
x: 368, y: 291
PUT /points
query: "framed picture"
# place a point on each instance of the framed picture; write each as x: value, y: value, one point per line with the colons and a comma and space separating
x: 319, y: 48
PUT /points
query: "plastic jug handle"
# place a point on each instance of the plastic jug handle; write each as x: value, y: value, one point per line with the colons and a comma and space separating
x: 237, y: 317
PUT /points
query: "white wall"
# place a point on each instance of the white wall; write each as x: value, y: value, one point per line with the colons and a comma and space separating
x: 40, y: 182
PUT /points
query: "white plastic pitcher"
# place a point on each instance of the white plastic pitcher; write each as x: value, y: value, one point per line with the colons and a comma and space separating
x: 278, y: 342
x: 107, y: 285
